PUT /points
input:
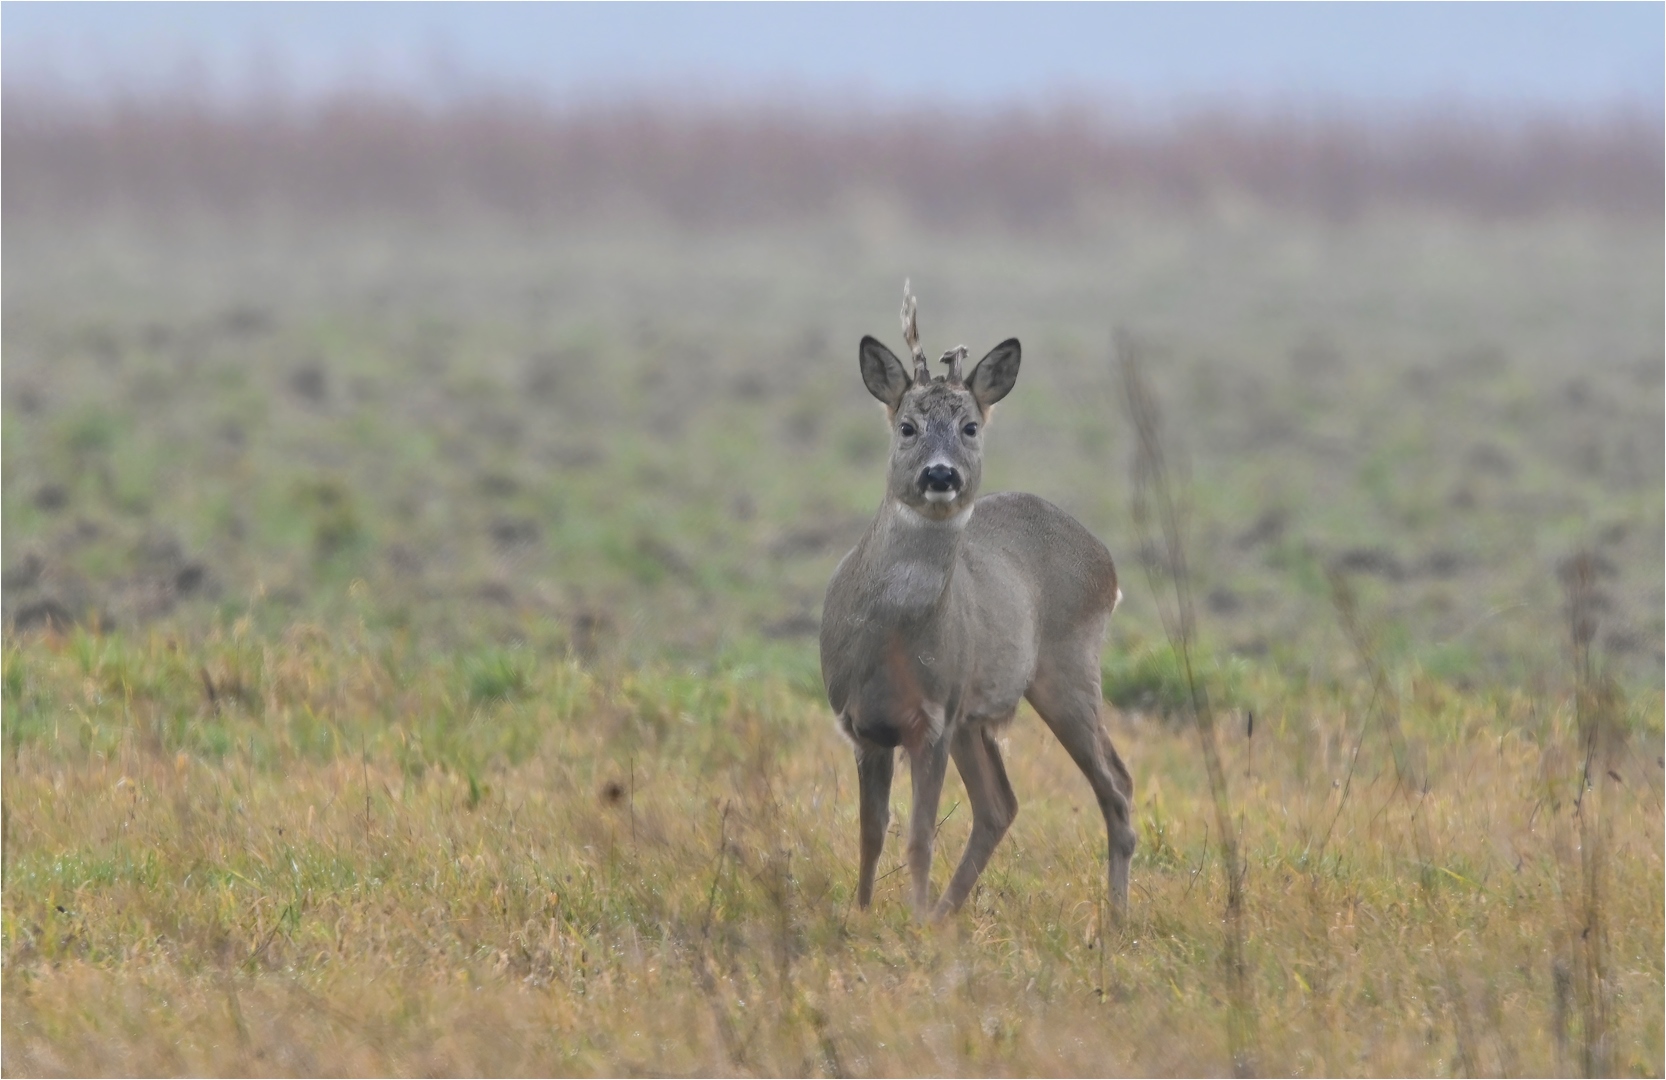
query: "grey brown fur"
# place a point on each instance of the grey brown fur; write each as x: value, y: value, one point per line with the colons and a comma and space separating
x: 949, y: 611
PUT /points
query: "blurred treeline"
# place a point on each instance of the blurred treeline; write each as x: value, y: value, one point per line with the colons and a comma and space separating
x: 722, y: 164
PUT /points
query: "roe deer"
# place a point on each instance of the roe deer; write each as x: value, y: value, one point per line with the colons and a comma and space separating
x: 948, y: 611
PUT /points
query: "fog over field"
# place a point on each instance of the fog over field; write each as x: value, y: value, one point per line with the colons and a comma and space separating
x: 454, y: 485
x: 590, y: 370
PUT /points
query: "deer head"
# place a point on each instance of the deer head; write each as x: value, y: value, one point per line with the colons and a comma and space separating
x: 936, y: 423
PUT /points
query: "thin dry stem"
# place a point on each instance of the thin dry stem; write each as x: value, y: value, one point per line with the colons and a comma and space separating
x: 1594, y: 703
x: 1160, y: 516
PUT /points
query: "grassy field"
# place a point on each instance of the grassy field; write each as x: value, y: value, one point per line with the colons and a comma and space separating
x: 347, y: 858
x: 409, y: 662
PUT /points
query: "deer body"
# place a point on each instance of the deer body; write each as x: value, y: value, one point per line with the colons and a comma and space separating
x: 949, y: 611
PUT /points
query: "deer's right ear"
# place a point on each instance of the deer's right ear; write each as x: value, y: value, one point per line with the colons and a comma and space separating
x: 882, y: 373
x: 992, y: 379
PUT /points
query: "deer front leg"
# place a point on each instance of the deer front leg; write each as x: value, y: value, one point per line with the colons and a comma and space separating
x: 927, y: 766
x: 874, y: 765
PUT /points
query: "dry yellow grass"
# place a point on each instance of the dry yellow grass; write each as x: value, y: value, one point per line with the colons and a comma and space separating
x: 354, y: 861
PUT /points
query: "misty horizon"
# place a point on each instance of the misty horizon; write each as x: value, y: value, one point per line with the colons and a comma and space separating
x: 1130, y: 60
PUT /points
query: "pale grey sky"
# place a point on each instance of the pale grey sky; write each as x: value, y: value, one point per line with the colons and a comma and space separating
x: 877, y: 54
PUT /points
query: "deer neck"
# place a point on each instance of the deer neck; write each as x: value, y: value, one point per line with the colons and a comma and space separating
x: 914, y: 558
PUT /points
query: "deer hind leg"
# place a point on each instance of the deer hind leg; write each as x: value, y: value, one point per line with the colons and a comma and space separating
x: 994, y: 807
x: 874, y: 765
x: 1070, y: 706
x: 927, y: 766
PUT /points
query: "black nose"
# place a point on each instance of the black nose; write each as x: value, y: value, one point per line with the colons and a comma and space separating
x: 940, y: 478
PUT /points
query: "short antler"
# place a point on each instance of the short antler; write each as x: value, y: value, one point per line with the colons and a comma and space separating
x: 954, y: 358
x: 911, y: 334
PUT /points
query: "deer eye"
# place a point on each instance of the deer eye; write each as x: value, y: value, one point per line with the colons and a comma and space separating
x: 970, y: 429
x: 907, y: 430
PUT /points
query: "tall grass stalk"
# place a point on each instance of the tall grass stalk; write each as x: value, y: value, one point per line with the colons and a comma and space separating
x: 1594, y: 703
x: 1160, y: 518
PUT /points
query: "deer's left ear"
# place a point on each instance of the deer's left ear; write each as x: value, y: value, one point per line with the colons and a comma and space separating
x: 882, y: 373
x: 992, y: 379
